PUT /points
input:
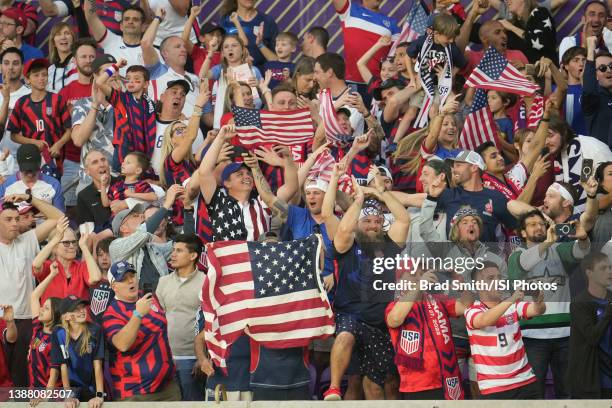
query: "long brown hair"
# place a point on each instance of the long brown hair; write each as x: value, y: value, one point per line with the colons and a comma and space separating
x: 53, y: 54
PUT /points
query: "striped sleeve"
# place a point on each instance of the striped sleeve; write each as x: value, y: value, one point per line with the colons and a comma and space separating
x: 470, y: 315
x: 521, y: 309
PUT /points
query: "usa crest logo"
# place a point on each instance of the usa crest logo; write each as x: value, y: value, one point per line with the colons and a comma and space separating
x: 409, y: 341
x: 453, y: 387
x: 99, y: 301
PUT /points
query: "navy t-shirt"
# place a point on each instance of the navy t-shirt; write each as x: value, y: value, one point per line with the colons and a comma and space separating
x: 249, y: 27
x: 301, y: 225
x: 457, y: 57
x: 80, y: 367
x: 277, y: 68
x: 490, y: 204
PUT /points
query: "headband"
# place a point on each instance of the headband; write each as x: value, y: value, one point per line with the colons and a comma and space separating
x: 563, y: 191
x: 316, y: 183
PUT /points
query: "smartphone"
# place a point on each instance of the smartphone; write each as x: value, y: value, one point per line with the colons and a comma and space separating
x: 587, y: 169
x: 353, y: 88
x: 545, y: 151
x: 147, y: 288
x: 565, y: 229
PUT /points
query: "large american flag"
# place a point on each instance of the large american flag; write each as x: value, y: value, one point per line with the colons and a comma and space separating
x: 323, y: 168
x: 414, y: 27
x: 270, y: 291
x: 333, y: 131
x: 496, y: 73
x: 255, y: 127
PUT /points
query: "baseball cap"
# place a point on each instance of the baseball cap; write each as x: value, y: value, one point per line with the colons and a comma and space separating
x: 122, y: 215
x: 16, y: 14
x: 35, y: 63
x: 102, y: 60
x: 230, y: 169
x: 209, y: 27
x: 70, y: 303
x: 387, y: 84
x: 24, y: 207
x: 181, y: 82
x: 468, y: 156
x: 384, y: 171
x: 28, y: 158
x: 118, y: 270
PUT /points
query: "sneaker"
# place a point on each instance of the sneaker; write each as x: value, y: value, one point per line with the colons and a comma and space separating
x: 332, y: 394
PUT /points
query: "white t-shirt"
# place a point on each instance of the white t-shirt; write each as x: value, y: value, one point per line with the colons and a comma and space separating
x: 173, y: 23
x: 6, y: 142
x: 161, y: 126
x: 16, y: 273
x: 115, y: 46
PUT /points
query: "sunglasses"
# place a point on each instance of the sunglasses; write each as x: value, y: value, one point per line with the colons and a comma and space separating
x: 68, y: 244
x: 604, y: 68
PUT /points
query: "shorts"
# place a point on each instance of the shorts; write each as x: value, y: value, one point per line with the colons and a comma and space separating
x: 373, y: 346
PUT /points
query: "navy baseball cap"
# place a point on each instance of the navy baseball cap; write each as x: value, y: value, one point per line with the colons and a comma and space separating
x: 70, y: 303
x: 230, y: 169
x: 118, y: 270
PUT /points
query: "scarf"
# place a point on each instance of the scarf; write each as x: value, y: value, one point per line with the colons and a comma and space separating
x: 428, y: 59
x: 429, y: 314
x: 508, y: 189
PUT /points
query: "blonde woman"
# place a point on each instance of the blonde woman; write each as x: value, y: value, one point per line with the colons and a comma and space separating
x: 63, y: 69
x: 78, y: 350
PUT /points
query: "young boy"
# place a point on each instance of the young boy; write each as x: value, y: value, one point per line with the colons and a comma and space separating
x: 590, y: 345
x: 40, y: 118
x: 280, y: 62
x: 101, y: 295
x: 572, y: 62
x: 134, y: 112
x: 211, y: 36
x: 502, y: 369
x: 133, y: 186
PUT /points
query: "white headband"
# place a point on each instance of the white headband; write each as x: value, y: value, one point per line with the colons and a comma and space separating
x: 316, y: 183
x: 563, y: 191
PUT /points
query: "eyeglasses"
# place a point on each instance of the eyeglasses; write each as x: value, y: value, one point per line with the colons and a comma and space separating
x: 603, y: 68
x: 68, y: 244
x: 7, y: 23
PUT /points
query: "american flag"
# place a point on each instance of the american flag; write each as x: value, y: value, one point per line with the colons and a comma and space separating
x: 333, y: 132
x: 496, y: 73
x: 479, y: 126
x: 323, y: 168
x: 270, y: 291
x: 255, y: 127
x: 414, y: 27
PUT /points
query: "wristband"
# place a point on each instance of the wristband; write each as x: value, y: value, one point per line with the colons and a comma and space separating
x: 592, y: 197
x: 111, y: 70
x: 432, y: 198
x: 369, y: 114
x: 137, y: 314
x: 158, y: 18
x: 261, y: 45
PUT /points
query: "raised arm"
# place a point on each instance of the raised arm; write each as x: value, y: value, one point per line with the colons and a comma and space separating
x: 208, y: 183
x: 186, y: 34
x: 345, y: 232
x: 329, y: 201
x: 47, y: 250
x: 339, y: 4
x: 40, y: 289
x: 589, y: 216
x: 362, y: 63
x: 279, y: 207
x: 308, y: 163
x: 398, y: 231
x: 149, y: 54
x: 235, y: 19
x: 83, y: 131
x: 4, y: 108
x: 125, y: 338
x: 93, y: 270
x: 479, y: 7
x: 396, y: 102
x: 102, y: 79
x: 96, y: 26
x: 492, y: 315
x: 539, y: 138
x: 183, y: 149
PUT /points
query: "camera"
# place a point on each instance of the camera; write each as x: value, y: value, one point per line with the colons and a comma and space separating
x: 565, y: 229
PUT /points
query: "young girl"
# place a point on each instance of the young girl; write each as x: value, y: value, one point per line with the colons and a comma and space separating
x: 234, y: 55
x: 498, y: 103
x: 78, y: 349
x: 40, y: 370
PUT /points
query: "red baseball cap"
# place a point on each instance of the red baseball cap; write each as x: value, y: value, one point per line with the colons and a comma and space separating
x: 16, y: 14
x: 34, y: 63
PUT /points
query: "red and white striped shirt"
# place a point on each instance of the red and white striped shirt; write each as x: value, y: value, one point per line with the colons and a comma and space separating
x: 498, y: 351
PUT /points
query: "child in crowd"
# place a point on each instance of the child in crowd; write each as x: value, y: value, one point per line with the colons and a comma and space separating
x: 572, y: 63
x: 40, y: 370
x: 134, y: 112
x: 280, y: 62
x: 502, y: 369
x: 78, y: 349
x: 211, y: 36
x: 133, y: 185
x: 101, y: 295
x: 234, y: 54
x: 498, y: 103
